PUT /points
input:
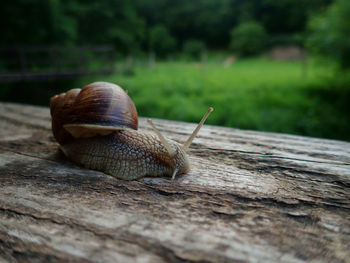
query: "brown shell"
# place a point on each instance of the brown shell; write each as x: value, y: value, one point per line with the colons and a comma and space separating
x: 98, y: 108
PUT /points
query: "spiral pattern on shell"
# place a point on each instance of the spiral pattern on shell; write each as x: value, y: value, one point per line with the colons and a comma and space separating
x: 97, y: 109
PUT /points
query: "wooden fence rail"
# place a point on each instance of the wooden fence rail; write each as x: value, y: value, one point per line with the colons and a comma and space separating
x: 250, y: 197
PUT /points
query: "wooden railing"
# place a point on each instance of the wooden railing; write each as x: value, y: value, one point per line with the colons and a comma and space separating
x: 249, y: 197
x: 24, y: 63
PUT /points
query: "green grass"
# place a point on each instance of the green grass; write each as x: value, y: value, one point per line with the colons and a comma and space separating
x: 253, y: 94
x: 256, y: 94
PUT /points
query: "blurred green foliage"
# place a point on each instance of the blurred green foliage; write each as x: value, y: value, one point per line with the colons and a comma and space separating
x: 194, y: 48
x: 329, y: 32
x: 161, y: 42
x: 71, y: 22
x: 249, y: 38
x: 127, y: 24
x: 254, y: 94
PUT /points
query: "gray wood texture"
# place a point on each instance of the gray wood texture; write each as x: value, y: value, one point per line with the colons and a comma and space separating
x: 250, y: 197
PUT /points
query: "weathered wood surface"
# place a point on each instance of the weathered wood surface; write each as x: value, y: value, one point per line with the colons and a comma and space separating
x: 250, y: 197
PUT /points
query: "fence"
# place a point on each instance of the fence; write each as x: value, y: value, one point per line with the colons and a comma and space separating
x: 35, y: 63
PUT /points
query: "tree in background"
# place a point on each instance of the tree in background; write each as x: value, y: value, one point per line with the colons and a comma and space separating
x: 125, y: 23
x: 194, y: 48
x: 161, y: 41
x: 249, y: 38
x: 68, y: 22
x: 330, y: 33
x: 25, y: 22
x: 212, y: 20
x: 113, y: 22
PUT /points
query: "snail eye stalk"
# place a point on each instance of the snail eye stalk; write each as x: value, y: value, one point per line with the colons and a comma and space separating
x: 174, y: 174
x: 161, y: 138
x: 193, y: 135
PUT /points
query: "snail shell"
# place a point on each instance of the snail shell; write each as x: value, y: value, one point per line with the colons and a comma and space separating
x: 96, y: 109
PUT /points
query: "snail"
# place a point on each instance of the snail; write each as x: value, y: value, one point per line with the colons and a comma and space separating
x: 97, y: 127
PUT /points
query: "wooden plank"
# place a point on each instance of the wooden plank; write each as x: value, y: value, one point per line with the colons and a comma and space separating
x: 250, y: 197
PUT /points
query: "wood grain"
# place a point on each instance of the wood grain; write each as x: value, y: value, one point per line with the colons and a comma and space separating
x: 250, y: 197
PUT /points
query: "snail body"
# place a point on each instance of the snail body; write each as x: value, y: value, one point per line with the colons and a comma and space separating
x: 127, y: 154
x: 96, y: 127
